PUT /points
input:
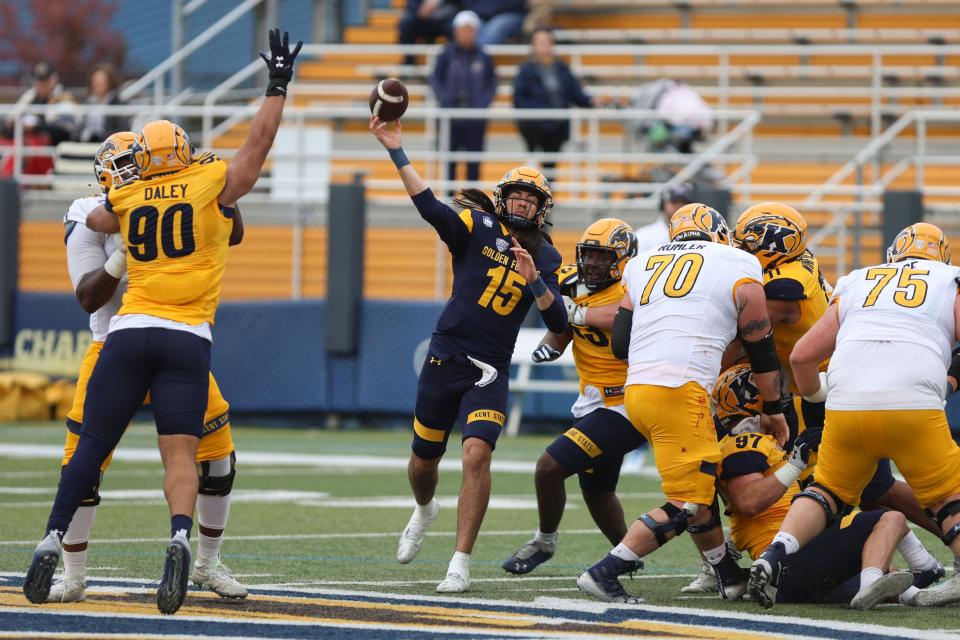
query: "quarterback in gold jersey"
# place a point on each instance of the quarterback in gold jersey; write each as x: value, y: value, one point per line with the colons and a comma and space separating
x: 758, y: 481
x: 176, y: 221
x: 593, y: 448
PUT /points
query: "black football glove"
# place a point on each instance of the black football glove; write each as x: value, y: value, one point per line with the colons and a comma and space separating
x: 545, y: 353
x: 280, y: 62
x: 806, y: 442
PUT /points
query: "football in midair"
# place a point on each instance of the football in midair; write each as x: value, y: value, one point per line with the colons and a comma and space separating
x: 389, y: 100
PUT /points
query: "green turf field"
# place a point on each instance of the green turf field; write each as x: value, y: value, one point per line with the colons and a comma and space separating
x: 334, y: 521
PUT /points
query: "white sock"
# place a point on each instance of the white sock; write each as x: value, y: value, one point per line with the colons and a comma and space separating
x: 908, y: 594
x: 791, y: 544
x: 546, y: 538
x: 459, y: 563
x: 212, y: 513
x: 424, y: 510
x: 868, y: 576
x: 714, y: 556
x: 75, y: 562
x: 624, y: 552
x: 916, y: 555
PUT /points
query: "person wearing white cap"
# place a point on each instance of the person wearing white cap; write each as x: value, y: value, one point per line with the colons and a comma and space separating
x: 465, y: 76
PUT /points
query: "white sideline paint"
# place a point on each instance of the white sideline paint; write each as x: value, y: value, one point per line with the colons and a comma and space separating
x: 560, y: 605
x: 272, y: 458
x: 400, y: 583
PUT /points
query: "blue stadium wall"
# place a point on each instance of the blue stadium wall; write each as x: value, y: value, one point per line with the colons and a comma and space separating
x: 269, y: 357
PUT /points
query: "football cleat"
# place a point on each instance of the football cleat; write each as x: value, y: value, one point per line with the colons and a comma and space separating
x: 705, y: 582
x: 455, y: 582
x: 600, y: 581
x: 46, y: 557
x: 176, y: 569
x: 412, y: 536
x: 736, y: 587
x: 72, y: 589
x: 887, y: 586
x: 925, y: 578
x: 765, y: 576
x: 210, y: 573
x: 529, y: 557
x: 947, y: 592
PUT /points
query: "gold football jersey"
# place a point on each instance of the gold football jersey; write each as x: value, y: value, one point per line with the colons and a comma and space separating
x: 805, y: 271
x: 177, y: 237
x: 753, y: 453
x: 596, y: 364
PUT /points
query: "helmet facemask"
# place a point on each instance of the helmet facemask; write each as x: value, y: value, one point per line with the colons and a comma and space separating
x: 597, y: 267
x: 516, y: 221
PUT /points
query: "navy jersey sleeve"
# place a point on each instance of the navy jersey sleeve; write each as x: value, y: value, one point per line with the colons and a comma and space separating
x: 554, y: 316
x: 453, y: 229
x: 743, y: 463
x: 786, y: 289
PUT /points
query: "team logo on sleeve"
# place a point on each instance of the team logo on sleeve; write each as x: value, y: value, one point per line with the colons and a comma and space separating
x: 488, y: 222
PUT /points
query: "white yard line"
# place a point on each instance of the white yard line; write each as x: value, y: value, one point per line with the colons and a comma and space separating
x: 400, y: 583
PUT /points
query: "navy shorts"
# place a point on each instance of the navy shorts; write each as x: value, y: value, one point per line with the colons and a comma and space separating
x: 174, y: 366
x: 447, y: 393
x: 814, y: 573
x: 880, y: 483
x: 594, y: 447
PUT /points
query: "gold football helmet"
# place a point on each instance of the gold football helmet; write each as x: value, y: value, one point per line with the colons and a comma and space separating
x: 697, y: 221
x: 527, y: 179
x: 774, y: 232
x: 921, y: 240
x: 736, y: 396
x: 161, y: 147
x: 113, y: 165
x: 603, y: 251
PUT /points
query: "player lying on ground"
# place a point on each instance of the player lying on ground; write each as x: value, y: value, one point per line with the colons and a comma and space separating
x: 502, y: 262
x: 98, y: 265
x: 889, y: 333
x: 593, y: 448
x: 758, y: 480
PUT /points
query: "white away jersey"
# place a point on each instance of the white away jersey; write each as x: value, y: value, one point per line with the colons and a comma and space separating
x: 684, y: 310
x: 87, y: 251
x: 896, y: 331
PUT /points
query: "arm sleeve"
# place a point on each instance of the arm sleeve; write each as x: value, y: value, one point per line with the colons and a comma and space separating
x: 742, y: 463
x: 85, y: 253
x: 450, y: 227
x: 785, y: 289
x: 554, y: 316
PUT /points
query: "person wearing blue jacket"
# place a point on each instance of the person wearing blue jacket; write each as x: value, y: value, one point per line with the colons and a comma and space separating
x: 545, y: 82
x: 465, y: 77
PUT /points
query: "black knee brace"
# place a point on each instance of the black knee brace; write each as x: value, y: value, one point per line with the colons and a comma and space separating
x: 677, y: 523
x: 217, y: 485
x: 710, y: 524
x: 948, y: 510
x: 842, y: 507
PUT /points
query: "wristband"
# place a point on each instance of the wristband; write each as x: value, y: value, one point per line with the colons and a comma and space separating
x: 773, y: 407
x: 277, y: 87
x: 399, y: 157
x: 116, y: 264
x: 538, y: 287
x: 821, y: 393
x: 787, y: 474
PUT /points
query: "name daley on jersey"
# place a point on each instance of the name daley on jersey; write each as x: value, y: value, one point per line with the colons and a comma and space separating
x: 165, y: 192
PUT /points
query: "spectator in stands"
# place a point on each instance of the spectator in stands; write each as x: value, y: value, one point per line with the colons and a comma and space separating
x: 57, y: 123
x: 465, y: 77
x: 683, y: 117
x: 427, y: 20
x: 102, y: 84
x: 502, y: 19
x: 544, y: 82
